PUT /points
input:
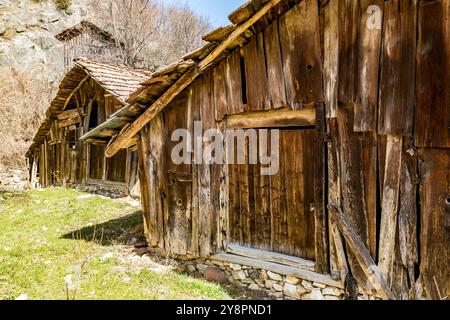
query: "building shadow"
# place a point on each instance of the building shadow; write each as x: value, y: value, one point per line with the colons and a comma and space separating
x: 119, y: 231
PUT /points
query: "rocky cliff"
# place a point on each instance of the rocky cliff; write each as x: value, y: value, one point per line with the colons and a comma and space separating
x: 27, y: 30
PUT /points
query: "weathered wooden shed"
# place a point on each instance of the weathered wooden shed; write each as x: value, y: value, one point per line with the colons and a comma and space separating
x: 89, y: 94
x: 87, y: 40
x: 360, y: 90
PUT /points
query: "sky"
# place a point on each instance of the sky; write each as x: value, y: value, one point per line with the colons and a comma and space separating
x: 216, y: 10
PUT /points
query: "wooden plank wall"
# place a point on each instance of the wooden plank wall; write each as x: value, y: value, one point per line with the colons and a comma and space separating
x: 85, y: 164
x: 265, y: 74
x: 387, y: 100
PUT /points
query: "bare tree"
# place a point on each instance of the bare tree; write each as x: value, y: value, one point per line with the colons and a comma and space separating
x: 148, y: 33
x: 132, y: 23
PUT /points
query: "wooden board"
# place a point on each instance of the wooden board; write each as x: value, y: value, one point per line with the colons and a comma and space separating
x: 234, y: 83
x: 276, y: 85
x: 396, y: 111
x: 255, y: 74
x: 369, y: 44
x: 300, y: 42
x: 331, y: 57
x: 432, y: 125
x: 435, y: 227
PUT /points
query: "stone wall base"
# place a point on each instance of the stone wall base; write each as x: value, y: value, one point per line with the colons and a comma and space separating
x: 276, y: 285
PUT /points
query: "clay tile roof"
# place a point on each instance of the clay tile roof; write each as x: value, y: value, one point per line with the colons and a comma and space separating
x: 119, y: 80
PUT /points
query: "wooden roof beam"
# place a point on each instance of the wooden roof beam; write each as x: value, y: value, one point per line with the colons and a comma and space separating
x: 78, y: 87
x: 185, y: 80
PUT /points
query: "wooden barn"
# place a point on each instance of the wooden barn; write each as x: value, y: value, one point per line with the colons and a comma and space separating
x: 89, y: 94
x: 360, y: 91
x: 87, y: 40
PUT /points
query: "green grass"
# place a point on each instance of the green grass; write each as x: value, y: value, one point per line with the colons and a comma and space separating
x: 48, y: 234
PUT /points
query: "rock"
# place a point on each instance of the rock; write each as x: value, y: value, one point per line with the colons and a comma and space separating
x: 274, y: 276
x: 307, y: 285
x: 263, y: 275
x: 276, y: 295
x: 239, y: 275
x: 268, y: 284
x: 253, y: 287
x: 319, y: 285
x: 290, y: 290
x: 292, y: 280
x: 140, y: 251
x: 201, y: 268
x: 248, y: 281
x: 191, y: 268
x: 235, y: 267
x: 301, y: 291
x: 315, y: 294
x: 260, y: 283
x: 214, y: 274
x: 22, y: 297
x: 253, y: 274
x: 331, y: 298
x: 330, y: 291
x: 107, y: 256
x: 21, y: 28
x: 277, y: 287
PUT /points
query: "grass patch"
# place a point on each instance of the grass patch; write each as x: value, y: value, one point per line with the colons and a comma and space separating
x: 47, y: 235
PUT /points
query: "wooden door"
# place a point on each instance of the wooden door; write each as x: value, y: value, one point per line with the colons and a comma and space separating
x: 274, y: 212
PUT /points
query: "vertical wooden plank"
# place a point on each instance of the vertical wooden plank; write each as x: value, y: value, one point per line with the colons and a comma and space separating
x: 435, y: 221
x: 255, y: 73
x: 396, y: 111
x: 194, y: 115
x: 406, y: 250
x: 331, y: 57
x: 349, y: 13
x: 297, y: 204
x: 234, y: 83
x: 389, y: 205
x: 300, y: 43
x: 146, y: 192
x: 432, y: 125
x: 277, y: 203
x: 207, y: 212
x: 349, y: 142
x: 220, y: 91
x: 262, y: 207
x: 369, y: 44
x: 369, y: 173
x: 276, y: 85
x: 223, y: 227
x: 320, y: 232
x: 333, y: 195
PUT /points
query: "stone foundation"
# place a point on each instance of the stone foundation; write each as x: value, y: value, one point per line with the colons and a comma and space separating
x: 278, y: 286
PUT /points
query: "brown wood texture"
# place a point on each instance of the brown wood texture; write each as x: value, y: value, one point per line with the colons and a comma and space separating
x: 397, y: 75
x: 435, y: 212
x: 279, y: 217
x: 300, y: 45
x: 432, y: 125
x: 368, y: 65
